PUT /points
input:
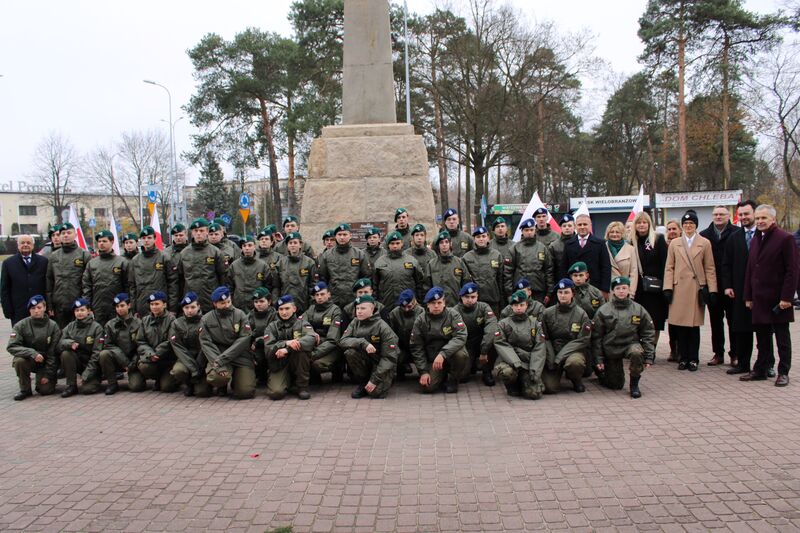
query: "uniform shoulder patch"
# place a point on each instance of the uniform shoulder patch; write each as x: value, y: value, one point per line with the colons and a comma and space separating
x: 495, y: 263
x: 211, y: 260
x: 355, y: 261
x: 408, y: 265
x: 464, y: 245
x: 458, y: 271
x: 541, y: 256
x: 636, y: 319
x: 575, y: 327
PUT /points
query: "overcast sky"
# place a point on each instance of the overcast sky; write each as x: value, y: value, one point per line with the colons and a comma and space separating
x: 77, y: 66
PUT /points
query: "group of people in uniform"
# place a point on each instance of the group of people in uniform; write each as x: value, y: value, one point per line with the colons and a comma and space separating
x: 212, y: 318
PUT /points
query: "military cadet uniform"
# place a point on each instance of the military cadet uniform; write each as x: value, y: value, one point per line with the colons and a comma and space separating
x: 349, y: 310
x: 547, y: 236
x: 422, y: 254
x: 501, y: 244
x: 341, y: 267
x: 444, y: 334
x: 589, y: 298
x: 149, y: 272
x: 225, y: 341
x: 245, y: 275
x: 405, y: 233
x: 519, y: 366
x: 65, y: 280
x: 535, y: 309
x: 296, y: 275
x: 117, y: 354
x: 446, y: 271
x: 481, y: 325
x: 230, y: 252
x: 374, y: 252
x: 530, y: 259
x: 153, y: 340
x: 326, y: 319
x: 557, y: 246
x: 202, y: 268
x: 170, y: 255
x: 294, y: 367
x: 259, y: 320
x: 402, y: 323
x: 395, y: 272
x: 305, y: 248
x: 105, y: 276
x: 184, y: 337
x: 460, y: 241
x: 89, y: 336
x: 129, y: 255
x: 485, y: 265
x: 622, y: 329
x: 564, y: 342
x: 378, y: 368
x: 29, y: 337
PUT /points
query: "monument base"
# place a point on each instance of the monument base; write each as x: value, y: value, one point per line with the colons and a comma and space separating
x: 362, y: 173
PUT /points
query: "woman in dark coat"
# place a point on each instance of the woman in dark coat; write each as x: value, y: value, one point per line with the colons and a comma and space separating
x: 651, y: 249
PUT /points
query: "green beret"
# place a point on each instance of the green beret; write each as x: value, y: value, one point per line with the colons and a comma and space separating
x: 105, y: 234
x: 373, y: 231
x: 394, y: 236
x: 198, y: 223
x: 400, y: 211
x: 261, y: 292
x: 66, y: 225
x: 442, y: 235
x: 580, y: 266
x: 219, y: 221
x: 518, y: 297
x: 365, y: 299
x: 147, y: 230
x: 620, y: 280
x: 290, y: 218
x: 293, y: 235
x: 264, y: 233
x: 342, y: 227
x: 361, y: 283
x: 498, y: 220
x: 272, y: 228
x: 130, y: 237
x: 54, y: 229
x: 177, y: 228
x: 249, y: 238
x: 329, y: 234
x: 418, y: 228
x: 214, y: 226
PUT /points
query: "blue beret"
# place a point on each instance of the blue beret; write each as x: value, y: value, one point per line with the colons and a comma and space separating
x: 405, y: 297
x: 121, y: 297
x: 220, y: 293
x: 158, y: 295
x: 468, y: 288
x: 35, y: 300
x: 540, y: 211
x: 565, y: 283
x: 450, y: 212
x: 189, y: 297
x: 80, y: 302
x: 567, y: 218
x: 527, y: 223
x: 522, y: 283
x: 283, y: 300
x: 480, y: 230
x: 319, y: 286
x: 436, y: 293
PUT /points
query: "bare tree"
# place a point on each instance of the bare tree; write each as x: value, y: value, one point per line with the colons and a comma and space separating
x: 56, y: 164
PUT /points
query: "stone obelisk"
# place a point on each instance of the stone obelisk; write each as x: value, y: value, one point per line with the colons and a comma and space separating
x: 365, y: 168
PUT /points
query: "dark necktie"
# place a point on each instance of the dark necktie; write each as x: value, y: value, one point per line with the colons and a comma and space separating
x: 27, y: 260
x: 748, y: 237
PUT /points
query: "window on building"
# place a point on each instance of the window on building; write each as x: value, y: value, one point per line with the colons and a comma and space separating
x: 121, y: 212
x: 28, y: 228
x: 101, y: 212
x: 27, y: 210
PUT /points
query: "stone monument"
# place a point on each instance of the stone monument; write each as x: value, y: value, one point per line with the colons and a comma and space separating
x: 365, y: 168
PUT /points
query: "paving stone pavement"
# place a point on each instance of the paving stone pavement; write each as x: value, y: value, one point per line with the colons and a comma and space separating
x: 700, y: 451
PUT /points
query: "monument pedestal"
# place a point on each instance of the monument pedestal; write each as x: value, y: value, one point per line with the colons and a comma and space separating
x: 362, y: 173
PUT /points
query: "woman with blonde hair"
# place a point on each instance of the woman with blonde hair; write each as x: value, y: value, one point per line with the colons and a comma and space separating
x: 651, y: 258
x: 622, y: 255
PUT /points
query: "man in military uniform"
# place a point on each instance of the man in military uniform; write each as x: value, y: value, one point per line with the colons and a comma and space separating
x: 328, y: 240
x: 216, y: 236
x: 80, y: 342
x: 153, y: 347
x: 374, y: 250
x: 419, y: 249
x: 544, y: 234
x: 460, y: 241
x: 117, y: 352
x: 180, y: 240
x: 481, y: 324
x: 531, y: 259
x: 291, y: 225
x: 201, y: 265
x: 533, y: 309
x: 485, y: 264
x: 326, y: 319
x: 104, y: 276
x: 53, y: 243
x: 362, y: 287
x: 65, y: 276
x: 622, y: 330
x: 394, y: 272
x: 370, y: 347
x: 184, y: 335
x: 246, y: 274
x: 130, y: 246
x: 342, y: 266
x: 446, y: 270
x: 500, y: 239
x: 149, y: 272
x: 260, y: 316
x: 225, y: 341
x: 33, y: 344
x: 557, y: 246
x: 402, y: 226
x: 588, y: 297
x: 294, y: 274
x: 401, y: 320
x: 564, y: 340
x: 519, y: 366
x: 288, y: 342
x: 438, y: 344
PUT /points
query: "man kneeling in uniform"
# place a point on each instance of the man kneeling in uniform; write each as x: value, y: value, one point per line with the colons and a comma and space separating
x: 260, y: 316
x: 481, y: 327
x: 326, y: 319
x: 288, y: 342
x: 184, y: 336
x: 370, y: 347
x: 401, y: 320
x: 80, y: 342
x: 623, y: 329
x: 514, y: 341
x: 33, y: 344
x: 564, y: 338
x: 225, y: 342
x: 155, y: 351
x: 438, y: 344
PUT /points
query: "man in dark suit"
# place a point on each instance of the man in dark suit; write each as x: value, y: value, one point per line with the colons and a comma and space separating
x: 23, y: 276
x: 718, y: 233
x: 769, y: 286
x: 731, y: 274
x: 592, y: 251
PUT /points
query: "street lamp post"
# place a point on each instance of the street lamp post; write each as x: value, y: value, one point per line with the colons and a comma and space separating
x: 171, y: 148
x: 405, y: 41
x: 177, y: 187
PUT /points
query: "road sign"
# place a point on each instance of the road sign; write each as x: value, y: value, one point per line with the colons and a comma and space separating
x: 92, y: 222
x: 244, y: 200
x: 152, y: 196
x: 226, y: 218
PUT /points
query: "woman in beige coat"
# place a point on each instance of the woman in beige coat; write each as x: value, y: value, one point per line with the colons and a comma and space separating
x: 682, y: 282
x: 622, y: 255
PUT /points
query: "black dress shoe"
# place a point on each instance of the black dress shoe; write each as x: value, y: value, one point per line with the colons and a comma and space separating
x: 771, y: 373
x: 782, y: 380
x: 69, y: 391
x: 512, y: 389
x: 692, y: 366
x: 683, y: 365
x: 451, y: 387
x: 360, y: 392
x: 21, y: 395
x: 112, y: 389
x: 578, y: 386
x: 487, y: 378
x: 737, y: 370
x: 304, y: 395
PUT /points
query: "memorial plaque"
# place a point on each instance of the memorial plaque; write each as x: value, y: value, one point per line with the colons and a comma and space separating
x: 359, y: 232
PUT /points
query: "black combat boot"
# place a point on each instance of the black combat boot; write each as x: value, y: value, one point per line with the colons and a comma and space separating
x: 487, y: 378
x: 635, y: 392
x: 188, y: 390
x: 111, y: 388
x: 71, y: 390
x: 360, y: 392
x: 22, y: 395
x: 452, y: 385
x: 577, y: 385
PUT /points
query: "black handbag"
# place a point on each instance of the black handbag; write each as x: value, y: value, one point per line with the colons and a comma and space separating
x: 649, y: 283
